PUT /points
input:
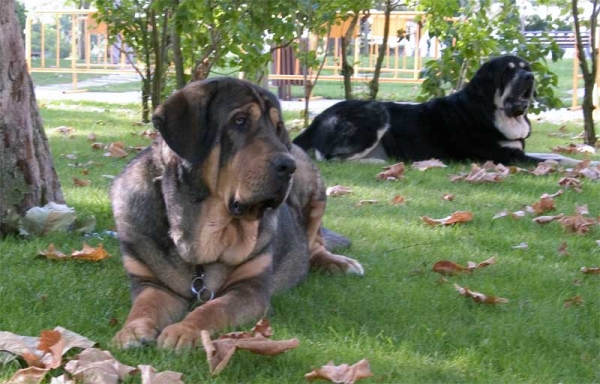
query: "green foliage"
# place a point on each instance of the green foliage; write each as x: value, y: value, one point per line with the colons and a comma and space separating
x: 479, y: 35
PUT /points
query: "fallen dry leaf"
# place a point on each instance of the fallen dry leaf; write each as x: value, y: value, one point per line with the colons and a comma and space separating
x: 91, y: 137
x: 582, y: 210
x: 425, y: 165
x: 220, y: 351
x: 87, y: 253
x: 97, y: 145
x: 398, y: 200
x: 64, y: 130
x: 392, y: 173
x: 546, y: 203
x: 574, y: 148
x: 545, y: 168
x: 515, y: 215
x: 456, y: 217
x: 45, y: 351
x: 116, y: 149
x: 577, y: 224
x: 96, y: 366
x: 479, y: 297
x: 337, y: 190
x: 488, y: 173
x: 547, y: 219
x: 52, y: 253
x: 448, y: 197
x: 150, y: 133
x: 344, y: 373
x: 150, y: 376
x: 446, y: 268
x: 562, y: 250
x: 81, y: 183
x: 590, y: 270
x: 571, y: 182
x: 573, y: 301
x: 366, y: 202
x: 520, y: 246
x: 30, y: 375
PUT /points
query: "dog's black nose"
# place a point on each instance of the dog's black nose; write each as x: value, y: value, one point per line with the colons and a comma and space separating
x: 283, y: 165
x: 527, y: 76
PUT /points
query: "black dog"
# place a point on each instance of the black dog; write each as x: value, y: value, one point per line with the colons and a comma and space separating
x: 486, y: 120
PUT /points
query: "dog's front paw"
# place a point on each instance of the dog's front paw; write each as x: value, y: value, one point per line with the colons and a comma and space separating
x: 136, y: 333
x: 179, y: 337
x: 330, y: 262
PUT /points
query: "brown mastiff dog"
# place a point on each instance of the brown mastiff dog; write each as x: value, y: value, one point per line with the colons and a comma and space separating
x: 221, y: 211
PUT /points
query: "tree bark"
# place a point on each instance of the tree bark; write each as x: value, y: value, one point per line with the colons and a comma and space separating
x: 27, y: 174
x: 374, y: 83
x: 347, y: 67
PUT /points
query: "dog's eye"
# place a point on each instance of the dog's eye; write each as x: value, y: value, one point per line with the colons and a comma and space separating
x: 240, y: 120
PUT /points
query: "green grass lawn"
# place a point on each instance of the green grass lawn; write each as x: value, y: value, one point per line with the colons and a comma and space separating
x: 412, y: 327
x: 335, y: 89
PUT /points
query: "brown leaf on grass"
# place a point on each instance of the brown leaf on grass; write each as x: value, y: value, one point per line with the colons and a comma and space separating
x: 582, y: 210
x: 90, y: 253
x: 45, y: 351
x: 448, y: 197
x: 31, y: 375
x: 573, y: 148
x: 546, y: 203
x: 52, y: 253
x: 547, y: 219
x: 81, y: 183
x: 398, y: 200
x: 571, y: 182
x: 337, y: 190
x: 590, y: 270
x: 393, y: 172
x: 96, y: 366
x: 488, y: 173
x: 220, y: 351
x: 425, y: 165
x: 479, y: 297
x: 562, y: 250
x: 573, y: 301
x: 504, y: 213
x: 545, y: 168
x: 583, y: 169
x: 344, y: 373
x: 366, y: 202
x: 64, y: 130
x: 577, y: 224
x: 91, y: 137
x: 150, y: 376
x: 456, y: 217
x: 97, y: 145
x: 447, y: 268
x: 150, y: 133
x: 87, y: 253
x: 116, y: 149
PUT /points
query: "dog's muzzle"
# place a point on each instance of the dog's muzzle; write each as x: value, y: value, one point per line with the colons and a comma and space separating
x: 273, y: 193
x: 521, y: 93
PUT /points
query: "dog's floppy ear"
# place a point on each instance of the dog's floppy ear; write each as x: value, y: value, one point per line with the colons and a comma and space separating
x: 183, y: 122
x: 276, y: 117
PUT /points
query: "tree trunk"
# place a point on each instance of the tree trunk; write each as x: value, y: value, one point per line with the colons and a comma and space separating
x: 27, y: 174
x: 347, y: 68
x: 374, y: 83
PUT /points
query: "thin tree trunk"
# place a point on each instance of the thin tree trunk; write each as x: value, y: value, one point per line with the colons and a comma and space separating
x: 177, y: 56
x: 347, y: 68
x: 27, y: 174
x: 589, y: 75
x: 374, y: 83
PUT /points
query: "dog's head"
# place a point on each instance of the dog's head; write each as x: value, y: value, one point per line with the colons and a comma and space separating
x: 512, y: 82
x: 230, y: 133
